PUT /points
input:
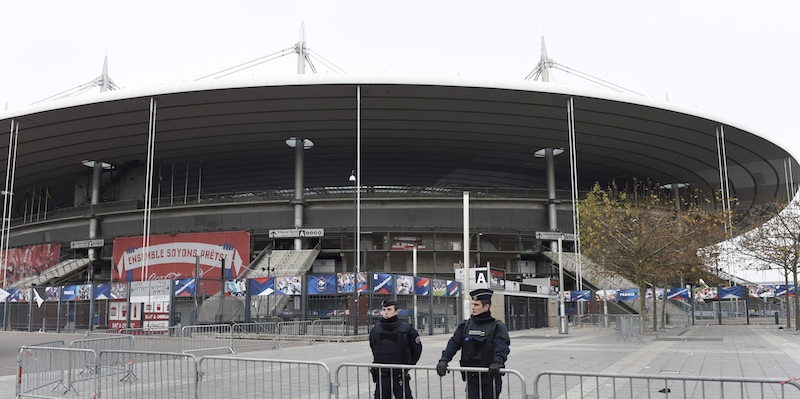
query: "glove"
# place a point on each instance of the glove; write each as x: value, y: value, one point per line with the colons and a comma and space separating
x: 441, y: 368
x: 374, y: 372
x: 494, y: 368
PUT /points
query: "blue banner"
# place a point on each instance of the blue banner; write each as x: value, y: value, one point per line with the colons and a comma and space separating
x: 184, y: 287
x: 677, y: 293
x: 101, y: 291
x: 262, y: 286
x: 629, y: 294
x: 736, y: 292
x: 582, y: 296
x: 422, y: 286
x: 453, y: 288
x: 345, y: 282
x: 382, y: 283
x: 321, y: 284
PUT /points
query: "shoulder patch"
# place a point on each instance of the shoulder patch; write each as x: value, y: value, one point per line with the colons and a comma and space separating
x: 417, y: 340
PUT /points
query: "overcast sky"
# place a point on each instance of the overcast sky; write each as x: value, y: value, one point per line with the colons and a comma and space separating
x: 736, y: 59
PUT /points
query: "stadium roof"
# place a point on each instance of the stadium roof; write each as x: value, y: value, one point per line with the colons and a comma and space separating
x: 416, y: 130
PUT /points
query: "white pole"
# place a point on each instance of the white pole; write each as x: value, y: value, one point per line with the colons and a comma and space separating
x: 414, y: 257
x: 465, y: 283
x: 562, y: 317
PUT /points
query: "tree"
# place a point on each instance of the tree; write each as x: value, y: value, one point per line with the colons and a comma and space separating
x: 643, y: 236
x: 773, y: 241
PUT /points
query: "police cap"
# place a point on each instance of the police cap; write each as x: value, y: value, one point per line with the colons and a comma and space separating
x: 481, y: 294
x: 388, y: 302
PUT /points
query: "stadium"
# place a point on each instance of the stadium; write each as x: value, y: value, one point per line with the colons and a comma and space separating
x: 271, y: 177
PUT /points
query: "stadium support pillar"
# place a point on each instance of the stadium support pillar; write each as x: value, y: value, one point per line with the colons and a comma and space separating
x: 549, y: 155
x: 97, y: 169
x: 299, y: 145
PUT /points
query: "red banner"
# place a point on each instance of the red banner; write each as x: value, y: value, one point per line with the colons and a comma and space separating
x: 174, y: 256
x: 29, y: 261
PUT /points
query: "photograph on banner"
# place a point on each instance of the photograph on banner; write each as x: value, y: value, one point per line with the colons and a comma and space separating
x: 345, y: 282
x: 382, y: 283
x: 53, y: 293
x: 175, y: 256
x: 289, y: 285
x: 119, y: 290
x: 321, y: 284
x: 262, y: 286
x: 439, y: 287
x: 235, y: 288
x: 405, y: 285
x: 581, y: 296
x: 75, y: 292
x: 659, y: 293
x: 29, y: 261
x: 422, y: 286
x: 705, y: 293
x: 362, y: 282
x: 17, y: 295
x: 606, y: 295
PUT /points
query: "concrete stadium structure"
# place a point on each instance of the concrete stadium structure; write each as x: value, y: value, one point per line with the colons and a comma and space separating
x: 222, y: 163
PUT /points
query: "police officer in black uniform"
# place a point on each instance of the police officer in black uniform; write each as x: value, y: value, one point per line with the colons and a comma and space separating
x: 483, y: 341
x: 393, y: 342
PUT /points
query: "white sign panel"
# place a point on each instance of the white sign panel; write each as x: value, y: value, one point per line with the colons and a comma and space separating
x: 296, y: 233
x: 553, y: 235
x: 87, y: 244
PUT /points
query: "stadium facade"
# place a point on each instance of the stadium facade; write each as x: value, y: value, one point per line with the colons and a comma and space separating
x: 227, y: 157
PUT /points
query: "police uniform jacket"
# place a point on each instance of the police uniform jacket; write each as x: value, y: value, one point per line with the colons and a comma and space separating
x: 482, y: 340
x: 395, y: 342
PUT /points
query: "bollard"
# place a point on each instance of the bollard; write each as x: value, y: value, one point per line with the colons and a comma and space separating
x: 777, y: 320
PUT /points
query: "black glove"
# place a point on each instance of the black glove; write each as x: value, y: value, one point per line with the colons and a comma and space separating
x: 494, y: 368
x: 441, y: 368
x: 374, y: 372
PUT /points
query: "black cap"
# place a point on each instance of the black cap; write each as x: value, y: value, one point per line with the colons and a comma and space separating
x: 388, y: 302
x: 481, y: 294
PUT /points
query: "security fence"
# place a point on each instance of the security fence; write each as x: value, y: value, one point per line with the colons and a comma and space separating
x: 226, y: 377
x: 567, y: 384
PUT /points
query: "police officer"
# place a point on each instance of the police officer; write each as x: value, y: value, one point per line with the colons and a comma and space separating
x: 393, y: 342
x: 483, y: 341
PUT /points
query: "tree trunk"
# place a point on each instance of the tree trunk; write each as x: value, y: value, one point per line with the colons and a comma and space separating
x: 796, y: 299
x: 786, y: 296
x: 664, y: 309
x: 655, y: 309
x: 642, y: 308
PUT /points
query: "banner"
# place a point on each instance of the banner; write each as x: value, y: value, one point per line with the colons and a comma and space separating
x: 290, y: 285
x: 262, y: 286
x: 705, y: 293
x: 102, y: 291
x: 497, y: 279
x: 405, y: 285
x: 75, y: 292
x: 736, y: 292
x: 606, y: 295
x: 184, y: 287
x: 345, y: 282
x: 453, y: 288
x: 422, y: 286
x: 439, y: 287
x: 629, y: 294
x: 362, y: 282
x: 235, y: 288
x: 581, y: 296
x: 52, y: 294
x: 171, y: 257
x: 321, y: 284
x: 676, y: 294
x: 382, y: 283
x: 29, y: 261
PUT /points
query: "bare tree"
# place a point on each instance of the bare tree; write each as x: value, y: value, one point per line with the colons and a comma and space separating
x: 773, y: 241
x: 642, y: 235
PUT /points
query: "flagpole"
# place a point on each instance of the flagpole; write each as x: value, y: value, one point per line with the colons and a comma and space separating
x: 33, y: 201
x: 158, y: 201
x: 172, y: 185
x: 186, y: 184
x: 25, y: 208
x: 46, y: 200
x: 39, y: 205
x: 199, y: 181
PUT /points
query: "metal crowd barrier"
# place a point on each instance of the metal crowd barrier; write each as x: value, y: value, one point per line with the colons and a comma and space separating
x: 207, y: 337
x: 293, y: 331
x: 123, y: 342
x: 148, y: 375
x: 630, y: 327
x: 329, y: 328
x: 233, y: 377
x: 567, y: 384
x: 48, y: 372
x: 51, y: 344
x: 353, y: 380
x: 254, y: 334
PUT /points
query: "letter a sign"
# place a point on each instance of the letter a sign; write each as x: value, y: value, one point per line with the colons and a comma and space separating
x: 481, y: 279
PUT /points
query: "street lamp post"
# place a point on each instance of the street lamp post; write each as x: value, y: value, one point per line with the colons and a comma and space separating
x: 355, y: 252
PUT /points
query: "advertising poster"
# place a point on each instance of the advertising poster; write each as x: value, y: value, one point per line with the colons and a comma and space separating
x: 184, y: 287
x: 102, y: 291
x: 676, y: 294
x: 362, y: 282
x: 439, y: 287
x: 235, y: 288
x: 171, y: 257
x: 345, y: 282
x: 736, y: 292
x: 321, y: 284
x: 382, y: 283
x: 405, y: 285
x: 52, y: 294
x: 18, y: 295
x: 119, y: 290
x: 581, y: 296
x: 606, y: 295
x: 628, y: 294
x: 29, y: 261
x: 75, y: 292
x: 290, y: 285
x: 422, y: 286
x: 262, y: 286
x: 497, y: 279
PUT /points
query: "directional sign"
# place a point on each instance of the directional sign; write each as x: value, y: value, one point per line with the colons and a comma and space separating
x: 87, y: 244
x: 553, y: 235
x: 296, y: 233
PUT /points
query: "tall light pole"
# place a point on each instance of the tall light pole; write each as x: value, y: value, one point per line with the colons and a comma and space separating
x: 355, y: 252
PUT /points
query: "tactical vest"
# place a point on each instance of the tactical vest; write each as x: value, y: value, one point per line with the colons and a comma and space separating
x: 478, y: 347
x: 391, y: 347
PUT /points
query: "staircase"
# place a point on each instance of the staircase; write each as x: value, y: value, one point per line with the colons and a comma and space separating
x: 64, y: 268
x: 285, y: 263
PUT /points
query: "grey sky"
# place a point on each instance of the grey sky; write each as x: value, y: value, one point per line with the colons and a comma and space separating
x: 733, y: 58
